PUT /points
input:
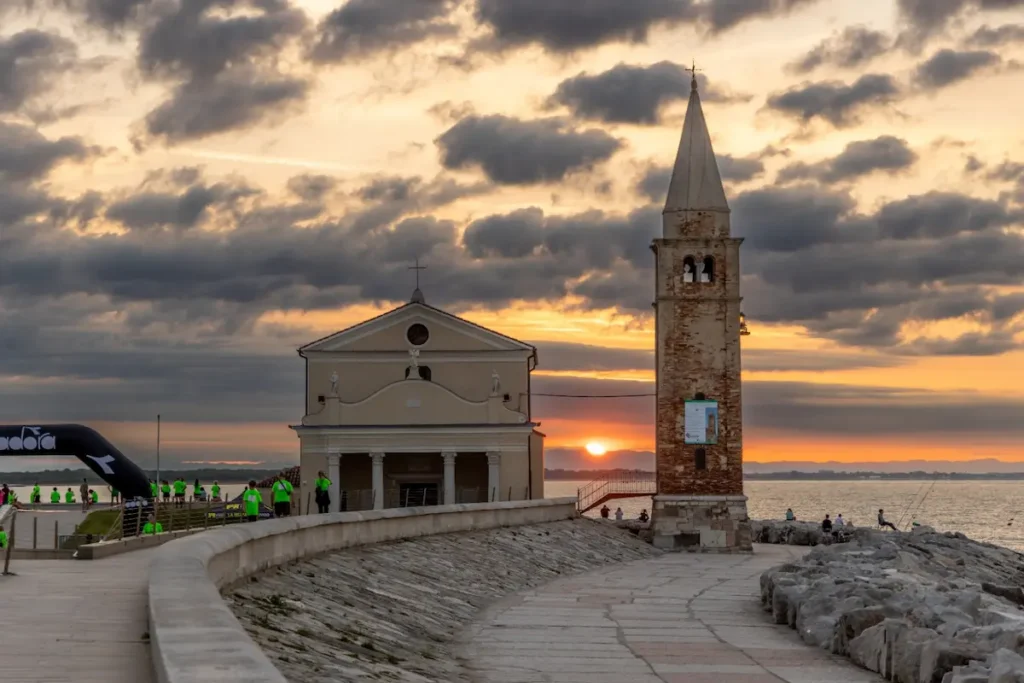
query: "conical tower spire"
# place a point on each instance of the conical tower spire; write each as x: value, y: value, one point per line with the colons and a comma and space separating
x: 696, y: 183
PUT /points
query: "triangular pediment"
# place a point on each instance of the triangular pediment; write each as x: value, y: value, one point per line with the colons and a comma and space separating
x: 390, y: 332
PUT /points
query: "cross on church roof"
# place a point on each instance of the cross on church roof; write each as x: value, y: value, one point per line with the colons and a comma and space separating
x: 693, y: 72
x: 417, y: 295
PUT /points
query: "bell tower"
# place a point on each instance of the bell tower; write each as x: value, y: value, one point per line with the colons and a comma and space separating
x: 699, y: 502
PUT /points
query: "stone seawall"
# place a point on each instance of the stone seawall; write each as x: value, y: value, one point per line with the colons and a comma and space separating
x: 391, y: 611
x: 917, y: 607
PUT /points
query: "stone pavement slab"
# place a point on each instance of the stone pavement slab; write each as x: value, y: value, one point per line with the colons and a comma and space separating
x: 75, y: 621
x: 677, y: 618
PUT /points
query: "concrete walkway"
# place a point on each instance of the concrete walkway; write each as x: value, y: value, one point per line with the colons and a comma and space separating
x: 75, y: 621
x: 679, y: 618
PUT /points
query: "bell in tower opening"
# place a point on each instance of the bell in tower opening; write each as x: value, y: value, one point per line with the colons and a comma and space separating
x: 699, y: 504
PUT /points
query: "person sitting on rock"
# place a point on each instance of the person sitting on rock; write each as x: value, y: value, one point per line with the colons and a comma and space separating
x: 826, y: 525
x: 839, y: 520
x: 618, y: 514
x: 605, y: 511
x: 644, y: 516
x: 882, y: 522
x: 790, y: 517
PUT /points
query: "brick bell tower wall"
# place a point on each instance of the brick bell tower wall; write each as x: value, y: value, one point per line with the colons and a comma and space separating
x: 699, y: 503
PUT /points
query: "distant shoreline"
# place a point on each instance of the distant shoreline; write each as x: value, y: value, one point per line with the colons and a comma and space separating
x: 825, y: 475
x: 66, y: 476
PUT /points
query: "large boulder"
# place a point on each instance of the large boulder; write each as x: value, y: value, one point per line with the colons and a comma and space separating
x: 915, y: 607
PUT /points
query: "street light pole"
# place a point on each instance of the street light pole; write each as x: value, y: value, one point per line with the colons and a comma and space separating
x: 157, y: 454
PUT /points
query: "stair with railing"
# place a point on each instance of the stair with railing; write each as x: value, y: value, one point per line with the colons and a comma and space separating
x: 634, y: 484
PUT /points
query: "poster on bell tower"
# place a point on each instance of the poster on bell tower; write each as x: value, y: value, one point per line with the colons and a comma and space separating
x: 700, y: 423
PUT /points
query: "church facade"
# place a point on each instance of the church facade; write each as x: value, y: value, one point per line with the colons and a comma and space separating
x: 699, y: 502
x: 420, y: 407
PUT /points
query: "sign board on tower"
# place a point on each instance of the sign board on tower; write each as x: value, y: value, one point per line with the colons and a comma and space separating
x: 700, y: 423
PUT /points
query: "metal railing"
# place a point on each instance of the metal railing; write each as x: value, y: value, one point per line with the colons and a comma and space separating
x: 615, y: 485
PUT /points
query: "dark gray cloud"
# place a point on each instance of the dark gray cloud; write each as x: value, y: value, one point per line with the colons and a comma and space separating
x: 720, y: 15
x: 632, y: 93
x: 148, y: 210
x: 653, y: 183
x: 222, y: 68
x: 361, y: 28
x: 834, y: 101
x: 516, y: 152
x: 235, y: 99
x: 943, y: 214
x: 194, y: 43
x: 26, y: 155
x: 792, y: 219
x: 312, y: 188
x: 30, y: 62
x: 583, y: 242
x: 947, y: 66
x: 569, y: 25
x: 818, y: 409
x: 111, y: 14
x: 987, y: 36
x: 739, y: 169
x: 924, y: 19
x: 884, y: 153
x: 565, y: 26
x: 854, y: 47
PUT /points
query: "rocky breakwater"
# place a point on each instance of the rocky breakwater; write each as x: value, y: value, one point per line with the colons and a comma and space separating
x: 782, y: 532
x: 917, y: 607
x: 392, y: 611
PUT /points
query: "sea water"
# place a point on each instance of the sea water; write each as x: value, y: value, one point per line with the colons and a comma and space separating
x: 990, y: 511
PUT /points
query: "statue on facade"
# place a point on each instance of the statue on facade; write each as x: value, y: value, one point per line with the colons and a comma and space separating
x: 334, y: 383
x: 687, y: 273
x: 414, y: 363
x: 495, y: 383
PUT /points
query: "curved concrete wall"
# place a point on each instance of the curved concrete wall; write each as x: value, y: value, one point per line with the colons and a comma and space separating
x: 194, y: 636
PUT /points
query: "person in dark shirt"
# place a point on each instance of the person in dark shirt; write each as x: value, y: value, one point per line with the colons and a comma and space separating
x: 826, y: 525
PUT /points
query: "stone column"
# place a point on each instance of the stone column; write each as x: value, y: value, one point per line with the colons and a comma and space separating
x: 493, y: 476
x: 334, y: 474
x: 449, y: 477
x: 378, y: 480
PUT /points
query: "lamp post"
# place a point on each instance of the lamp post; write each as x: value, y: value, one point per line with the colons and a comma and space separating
x: 744, y: 330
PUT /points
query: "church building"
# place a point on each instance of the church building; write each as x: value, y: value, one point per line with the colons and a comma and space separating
x: 420, y: 407
x: 699, y: 502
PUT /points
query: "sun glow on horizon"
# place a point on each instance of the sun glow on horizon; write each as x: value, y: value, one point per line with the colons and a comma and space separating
x: 596, y: 449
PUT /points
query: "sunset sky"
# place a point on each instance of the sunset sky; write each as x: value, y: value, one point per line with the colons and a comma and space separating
x: 192, y: 189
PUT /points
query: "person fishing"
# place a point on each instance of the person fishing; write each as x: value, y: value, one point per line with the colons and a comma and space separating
x: 37, y: 496
x: 883, y: 523
x: 54, y: 495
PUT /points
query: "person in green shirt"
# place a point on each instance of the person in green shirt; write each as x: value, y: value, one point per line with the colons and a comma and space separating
x: 95, y: 497
x: 252, y: 498
x: 54, y: 495
x: 165, y: 489
x: 3, y: 538
x: 115, y: 495
x: 69, y: 497
x: 154, y: 490
x: 282, y: 497
x: 215, y: 491
x: 37, y: 496
x: 179, y: 492
x: 152, y: 526
x: 323, y: 493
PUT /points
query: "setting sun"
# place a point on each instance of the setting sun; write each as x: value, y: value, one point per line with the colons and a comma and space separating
x: 595, y: 448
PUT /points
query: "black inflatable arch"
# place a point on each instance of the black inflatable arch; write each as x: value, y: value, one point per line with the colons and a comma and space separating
x: 84, y: 443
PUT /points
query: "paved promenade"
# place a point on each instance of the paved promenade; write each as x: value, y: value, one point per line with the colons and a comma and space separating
x: 75, y: 621
x: 678, y: 618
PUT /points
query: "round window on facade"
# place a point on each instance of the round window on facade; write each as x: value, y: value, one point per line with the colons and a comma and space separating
x: 417, y: 334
